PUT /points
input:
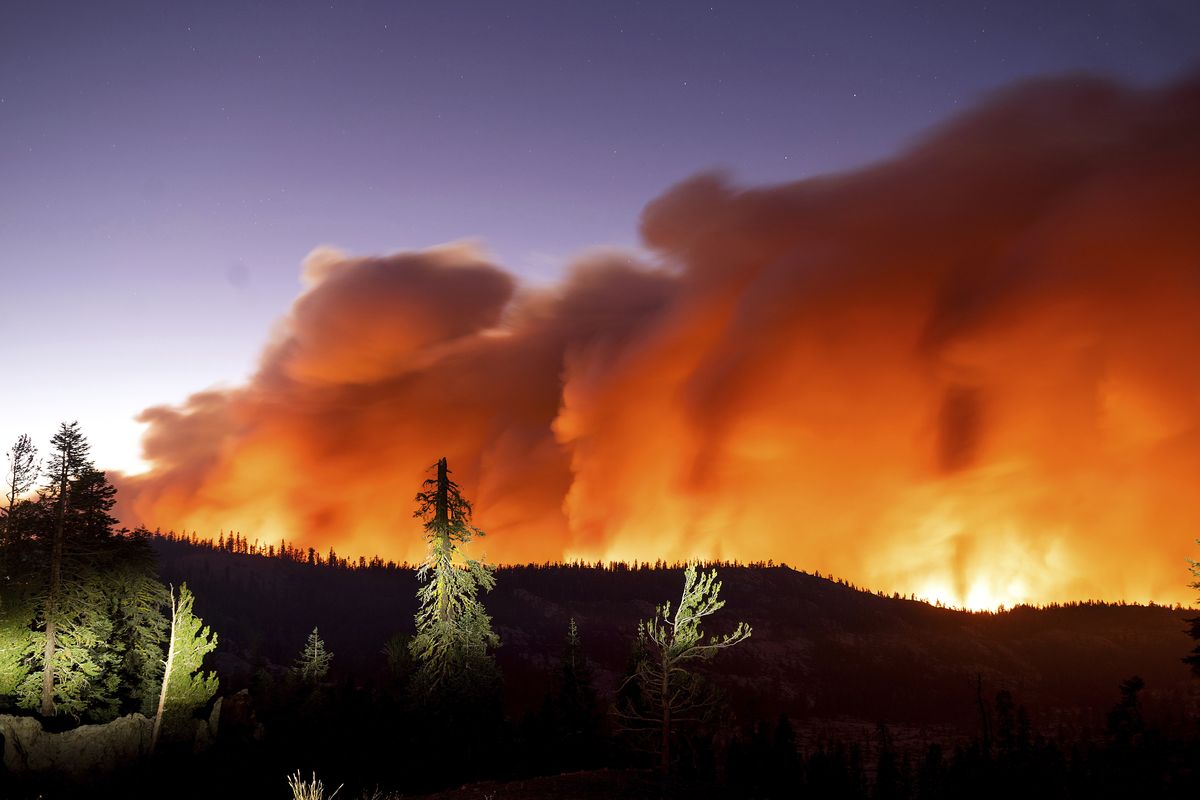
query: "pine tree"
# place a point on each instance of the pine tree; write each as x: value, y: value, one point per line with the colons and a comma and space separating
x: 576, y: 695
x: 670, y: 693
x: 454, y: 631
x: 83, y: 661
x: 1193, y: 658
x: 99, y: 627
x: 313, y: 663
x: 139, y: 627
x: 21, y: 476
x: 185, y: 687
x: 576, y: 712
x: 16, y: 599
x: 69, y: 460
x: 16, y: 640
x: 631, y: 704
x: 74, y: 655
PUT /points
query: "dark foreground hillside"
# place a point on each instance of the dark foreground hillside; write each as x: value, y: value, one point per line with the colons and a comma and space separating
x: 839, y: 694
x: 822, y: 652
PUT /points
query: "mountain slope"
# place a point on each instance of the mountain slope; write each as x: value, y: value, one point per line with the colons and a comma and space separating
x: 820, y: 649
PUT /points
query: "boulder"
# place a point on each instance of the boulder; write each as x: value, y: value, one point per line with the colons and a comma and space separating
x: 77, y: 754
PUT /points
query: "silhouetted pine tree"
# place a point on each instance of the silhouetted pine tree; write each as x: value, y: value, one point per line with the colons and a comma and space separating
x: 576, y: 715
x: 21, y: 476
x: 889, y: 778
x: 1193, y: 659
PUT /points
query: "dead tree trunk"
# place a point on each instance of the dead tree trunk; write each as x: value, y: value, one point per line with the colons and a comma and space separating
x: 441, y: 522
x: 162, y: 694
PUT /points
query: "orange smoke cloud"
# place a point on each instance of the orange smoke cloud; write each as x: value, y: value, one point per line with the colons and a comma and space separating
x: 971, y: 372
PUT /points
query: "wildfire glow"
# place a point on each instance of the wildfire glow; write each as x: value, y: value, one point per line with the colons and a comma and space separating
x: 970, y: 373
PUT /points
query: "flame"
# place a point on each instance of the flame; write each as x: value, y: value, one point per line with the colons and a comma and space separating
x: 970, y: 373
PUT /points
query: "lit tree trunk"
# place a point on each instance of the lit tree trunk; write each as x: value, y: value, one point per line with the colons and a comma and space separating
x: 665, y: 765
x: 162, y: 694
x: 52, y: 597
x: 442, y: 523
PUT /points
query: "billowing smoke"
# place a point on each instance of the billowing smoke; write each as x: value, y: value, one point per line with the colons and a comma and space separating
x: 971, y: 372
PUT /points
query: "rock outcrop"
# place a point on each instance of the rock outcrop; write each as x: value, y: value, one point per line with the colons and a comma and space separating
x: 77, y: 754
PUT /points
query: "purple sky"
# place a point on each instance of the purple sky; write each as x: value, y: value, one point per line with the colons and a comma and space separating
x: 163, y: 170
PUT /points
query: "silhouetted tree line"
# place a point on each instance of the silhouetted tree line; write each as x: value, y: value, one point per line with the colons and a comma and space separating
x: 235, y: 542
x: 1008, y: 757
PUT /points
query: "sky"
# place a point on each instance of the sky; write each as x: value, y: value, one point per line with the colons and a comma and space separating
x: 165, y: 168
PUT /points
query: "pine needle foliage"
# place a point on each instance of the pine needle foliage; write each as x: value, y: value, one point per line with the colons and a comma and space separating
x: 16, y: 601
x: 454, y: 632
x: 16, y: 619
x: 84, y: 658
x: 670, y: 694
x: 185, y: 687
x: 140, y: 629
x: 312, y: 665
x: 81, y: 623
x: 73, y: 654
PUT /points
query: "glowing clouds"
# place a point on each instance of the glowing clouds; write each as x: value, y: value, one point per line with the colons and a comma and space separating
x: 362, y: 320
x: 971, y: 372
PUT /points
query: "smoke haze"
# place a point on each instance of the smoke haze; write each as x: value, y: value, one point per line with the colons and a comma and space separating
x: 971, y: 372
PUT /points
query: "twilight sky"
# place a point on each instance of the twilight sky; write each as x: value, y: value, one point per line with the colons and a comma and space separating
x: 164, y: 170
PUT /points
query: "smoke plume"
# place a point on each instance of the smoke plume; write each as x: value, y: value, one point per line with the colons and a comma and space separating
x: 971, y: 372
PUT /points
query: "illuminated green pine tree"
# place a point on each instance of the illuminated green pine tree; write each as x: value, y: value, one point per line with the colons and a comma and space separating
x: 185, y: 687
x: 68, y: 461
x: 313, y: 663
x: 670, y: 694
x: 16, y: 600
x: 73, y: 655
x: 454, y: 632
x: 139, y: 628
x: 16, y: 641
x: 81, y: 626
x: 82, y: 669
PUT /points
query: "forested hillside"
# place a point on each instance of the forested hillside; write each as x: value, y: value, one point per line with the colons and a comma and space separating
x: 821, y: 649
